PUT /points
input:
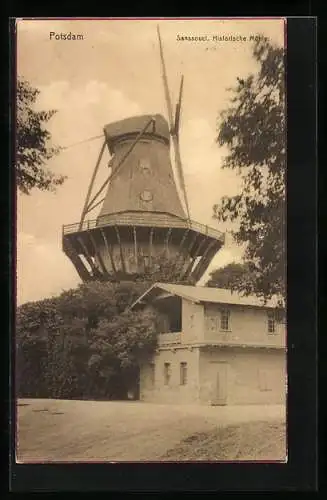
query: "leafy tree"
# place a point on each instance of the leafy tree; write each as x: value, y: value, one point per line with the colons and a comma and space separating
x: 84, y: 343
x: 229, y: 276
x: 161, y: 269
x: 32, y: 143
x: 253, y: 129
x: 118, y: 346
x: 165, y: 270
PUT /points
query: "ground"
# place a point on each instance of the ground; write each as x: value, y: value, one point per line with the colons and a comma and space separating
x: 264, y: 441
x: 61, y: 431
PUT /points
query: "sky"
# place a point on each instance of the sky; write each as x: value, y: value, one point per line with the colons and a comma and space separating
x: 113, y: 73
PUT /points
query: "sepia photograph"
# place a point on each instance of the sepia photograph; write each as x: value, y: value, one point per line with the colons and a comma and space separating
x: 151, y: 284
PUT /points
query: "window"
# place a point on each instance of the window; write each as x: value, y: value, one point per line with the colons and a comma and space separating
x: 271, y: 323
x: 175, y: 319
x: 145, y: 166
x: 146, y: 195
x: 167, y: 373
x: 224, y: 320
x: 183, y: 373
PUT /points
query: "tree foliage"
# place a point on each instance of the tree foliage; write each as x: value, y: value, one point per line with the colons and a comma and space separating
x: 161, y: 269
x: 229, y: 276
x: 253, y: 129
x: 85, y: 343
x: 32, y: 143
x: 165, y: 270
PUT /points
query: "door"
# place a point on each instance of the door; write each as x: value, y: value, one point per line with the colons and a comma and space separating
x: 220, y: 384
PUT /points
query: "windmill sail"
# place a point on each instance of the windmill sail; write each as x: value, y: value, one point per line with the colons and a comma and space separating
x: 175, y: 137
x: 178, y: 107
x: 165, y: 82
x: 174, y: 124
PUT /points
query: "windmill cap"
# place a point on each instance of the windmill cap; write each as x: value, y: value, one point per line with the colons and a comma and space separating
x: 134, y: 125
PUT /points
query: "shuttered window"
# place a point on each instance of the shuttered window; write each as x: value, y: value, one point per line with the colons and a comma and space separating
x: 167, y: 373
x: 225, y: 320
x: 183, y: 373
x: 271, y: 323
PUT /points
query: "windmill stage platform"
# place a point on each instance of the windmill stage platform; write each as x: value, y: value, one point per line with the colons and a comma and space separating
x: 123, y: 245
x: 144, y: 226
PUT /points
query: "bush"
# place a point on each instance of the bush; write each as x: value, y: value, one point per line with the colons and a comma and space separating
x: 82, y: 344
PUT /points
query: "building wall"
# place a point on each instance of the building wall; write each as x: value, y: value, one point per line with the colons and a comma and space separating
x: 248, y: 325
x: 253, y: 376
x: 247, y: 375
x: 192, y: 322
x: 174, y: 393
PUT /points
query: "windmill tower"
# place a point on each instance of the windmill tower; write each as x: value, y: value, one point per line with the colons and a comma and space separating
x: 142, y: 226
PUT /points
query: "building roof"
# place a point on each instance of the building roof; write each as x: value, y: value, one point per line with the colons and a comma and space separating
x: 134, y: 125
x: 205, y: 294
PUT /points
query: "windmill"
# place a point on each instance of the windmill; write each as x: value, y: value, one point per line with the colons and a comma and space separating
x: 142, y: 226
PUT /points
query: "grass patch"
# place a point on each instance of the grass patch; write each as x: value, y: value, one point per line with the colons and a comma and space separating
x: 247, y: 441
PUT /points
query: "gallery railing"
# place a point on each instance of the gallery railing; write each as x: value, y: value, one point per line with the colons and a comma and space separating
x: 169, y: 338
x: 145, y: 220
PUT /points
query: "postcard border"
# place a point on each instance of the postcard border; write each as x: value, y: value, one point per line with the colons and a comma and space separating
x: 300, y: 473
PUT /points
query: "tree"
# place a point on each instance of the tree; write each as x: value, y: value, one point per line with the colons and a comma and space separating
x: 119, y: 345
x: 253, y: 129
x: 161, y: 269
x: 85, y: 343
x: 165, y: 270
x: 229, y: 276
x: 32, y: 143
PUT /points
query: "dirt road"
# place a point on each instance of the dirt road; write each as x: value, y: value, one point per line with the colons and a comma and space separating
x: 75, y: 431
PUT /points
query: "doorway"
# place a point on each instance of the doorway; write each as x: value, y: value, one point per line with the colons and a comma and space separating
x: 136, y: 385
x: 220, y: 393
x: 133, y: 384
